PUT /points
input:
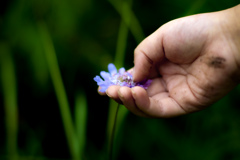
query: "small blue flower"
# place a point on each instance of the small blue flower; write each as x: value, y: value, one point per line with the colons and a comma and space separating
x: 118, y: 77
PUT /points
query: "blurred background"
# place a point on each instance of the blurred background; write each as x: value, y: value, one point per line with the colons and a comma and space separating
x: 50, y: 109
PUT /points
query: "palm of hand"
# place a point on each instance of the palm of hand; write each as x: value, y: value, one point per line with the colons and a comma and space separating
x: 195, y: 70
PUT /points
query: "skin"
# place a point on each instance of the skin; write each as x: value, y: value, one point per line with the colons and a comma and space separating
x: 193, y: 62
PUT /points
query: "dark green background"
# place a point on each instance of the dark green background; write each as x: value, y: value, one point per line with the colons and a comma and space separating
x: 84, y: 34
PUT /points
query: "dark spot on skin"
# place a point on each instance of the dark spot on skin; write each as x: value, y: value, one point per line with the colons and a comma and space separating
x: 216, y: 62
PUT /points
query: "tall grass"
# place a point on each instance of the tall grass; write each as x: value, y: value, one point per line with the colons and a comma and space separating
x: 9, y: 84
x: 75, y: 135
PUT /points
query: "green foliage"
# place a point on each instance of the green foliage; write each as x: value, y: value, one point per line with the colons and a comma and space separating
x: 80, y: 122
x: 10, y: 100
x: 49, y: 53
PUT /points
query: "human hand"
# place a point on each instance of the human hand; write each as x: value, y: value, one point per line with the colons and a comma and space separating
x: 193, y: 62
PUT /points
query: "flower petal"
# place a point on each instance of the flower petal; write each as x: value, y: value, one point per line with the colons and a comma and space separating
x: 103, y: 89
x: 105, y: 75
x: 121, y: 70
x: 118, y: 77
x: 112, y: 69
x: 97, y: 79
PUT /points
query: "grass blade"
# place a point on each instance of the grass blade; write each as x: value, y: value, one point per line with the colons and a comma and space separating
x: 127, y: 15
x: 59, y: 89
x: 10, y: 100
x: 81, y: 121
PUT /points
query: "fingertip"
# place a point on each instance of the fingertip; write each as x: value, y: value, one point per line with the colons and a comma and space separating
x: 101, y: 93
x: 141, y: 97
x: 120, y: 93
x: 109, y: 92
x: 112, y: 91
x: 125, y: 95
x: 142, y: 66
x: 137, y: 91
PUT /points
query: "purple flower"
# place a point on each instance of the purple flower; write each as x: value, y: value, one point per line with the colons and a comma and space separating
x: 118, y: 77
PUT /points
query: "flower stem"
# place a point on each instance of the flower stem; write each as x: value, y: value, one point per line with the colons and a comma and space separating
x: 112, y: 134
x: 130, y: 19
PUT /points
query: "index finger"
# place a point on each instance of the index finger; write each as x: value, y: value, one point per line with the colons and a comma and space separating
x: 146, y: 56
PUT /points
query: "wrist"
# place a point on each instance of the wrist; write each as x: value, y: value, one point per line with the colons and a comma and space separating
x: 236, y: 26
x: 236, y: 13
x: 232, y: 33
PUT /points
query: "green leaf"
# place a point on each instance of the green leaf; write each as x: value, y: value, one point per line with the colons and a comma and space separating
x: 81, y: 121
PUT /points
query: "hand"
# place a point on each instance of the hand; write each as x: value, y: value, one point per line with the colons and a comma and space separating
x: 193, y: 62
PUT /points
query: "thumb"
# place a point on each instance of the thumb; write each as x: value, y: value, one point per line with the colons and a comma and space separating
x: 147, y: 55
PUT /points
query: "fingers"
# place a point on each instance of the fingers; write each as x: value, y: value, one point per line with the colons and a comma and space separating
x: 101, y: 93
x: 126, y: 96
x: 157, y: 85
x: 147, y: 54
x: 159, y: 106
x: 123, y: 95
x: 113, y: 88
x: 112, y: 92
x: 138, y: 102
